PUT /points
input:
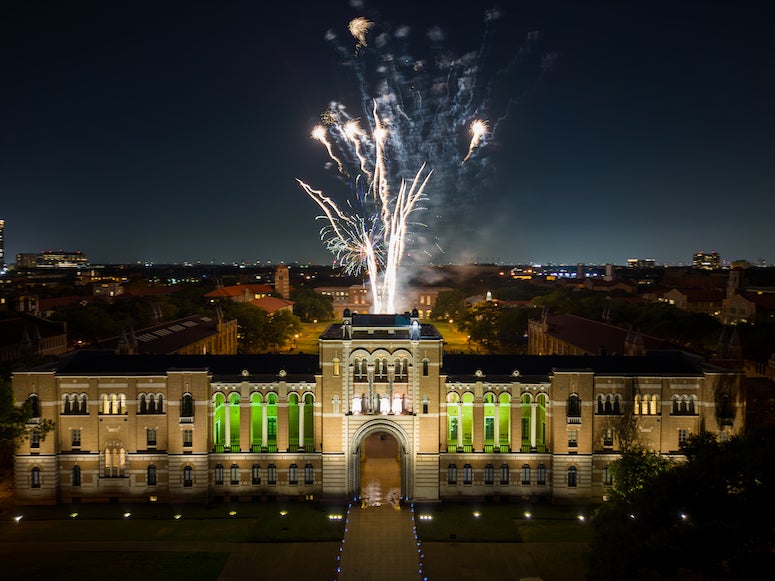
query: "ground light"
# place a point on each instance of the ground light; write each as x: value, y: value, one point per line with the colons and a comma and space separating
x: 477, y: 514
x: 73, y: 514
x: 283, y: 512
x: 528, y: 515
x: 127, y: 514
x: 177, y: 516
x: 581, y: 518
x: 232, y: 513
x: 18, y: 518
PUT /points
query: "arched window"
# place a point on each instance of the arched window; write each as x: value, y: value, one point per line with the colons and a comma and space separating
x: 188, y: 477
x: 617, y: 404
x: 541, y: 474
x: 34, y: 402
x: 187, y: 406
x: 425, y: 363
x: 572, y: 477
x: 676, y: 409
x: 608, y: 406
x: 76, y: 475
x: 219, y: 473
x: 255, y: 474
x: 234, y: 422
x: 271, y: 421
x: 489, y: 474
x: 293, y: 474
x: 309, y: 474
x: 35, y: 477
x: 692, y: 405
x: 636, y: 407
x: 525, y: 474
x: 468, y: 474
x: 234, y: 475
x: 654, y: 405
x: 336, y: 366
x: 66, y: 408
x: 271, y: 474
x: 725, y: 410
x: 574, y: 406
x: 152, y: 404
x: 505, y: 474
x: 143, y: 404
x: 600, y: 404
x: 425, y: 403
x: 452, y: 474
x: 151, y: 475
x: 359, y: 369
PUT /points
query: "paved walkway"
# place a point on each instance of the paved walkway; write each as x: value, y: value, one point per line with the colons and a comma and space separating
x: 379, y: 545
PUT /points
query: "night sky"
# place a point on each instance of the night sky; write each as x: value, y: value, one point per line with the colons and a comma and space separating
x: 175, y: 131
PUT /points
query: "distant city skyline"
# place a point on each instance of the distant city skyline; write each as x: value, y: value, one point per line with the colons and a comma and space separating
x: 169, y: 133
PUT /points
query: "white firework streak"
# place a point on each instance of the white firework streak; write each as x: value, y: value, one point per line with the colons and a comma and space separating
x: 413, y: 113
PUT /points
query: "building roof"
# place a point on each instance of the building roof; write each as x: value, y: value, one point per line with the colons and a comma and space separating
x: 372, y: 327
x: 227, y: 368
x: 596, y: 337
x: 25, y: 327
x: 505, y: 368
x: 271, y: 304
x: 238, y: 290
x: 167, y: 338
x: 701, y: 295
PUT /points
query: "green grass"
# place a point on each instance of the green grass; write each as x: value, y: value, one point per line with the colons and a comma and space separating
x: 253, y: 522
x: 503, y: 523
x: 170, y: 566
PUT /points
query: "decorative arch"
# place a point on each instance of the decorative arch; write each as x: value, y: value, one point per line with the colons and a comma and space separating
x: 405, y: 449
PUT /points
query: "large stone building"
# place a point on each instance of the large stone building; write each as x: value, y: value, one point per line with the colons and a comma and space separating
x: 199, y: 428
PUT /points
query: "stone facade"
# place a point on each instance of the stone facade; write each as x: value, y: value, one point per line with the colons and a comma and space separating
x: 195, y: 428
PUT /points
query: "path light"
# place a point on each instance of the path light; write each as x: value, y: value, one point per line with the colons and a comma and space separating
x: 283, y: 512
x: 127, y: 514
x: 17, y: 518
x: 177, y: 516
x: 684, y: 516
x: 232, y: 513
x: 477, y: 514
x: 528, y: 515
x: 632, y: 516
x: 73, y: 514
x: 581, y: 518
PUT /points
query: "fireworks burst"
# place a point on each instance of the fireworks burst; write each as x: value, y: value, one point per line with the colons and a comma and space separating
x: 409, y: 128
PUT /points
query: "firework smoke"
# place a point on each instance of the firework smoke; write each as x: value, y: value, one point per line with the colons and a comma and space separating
x: 411, y: 117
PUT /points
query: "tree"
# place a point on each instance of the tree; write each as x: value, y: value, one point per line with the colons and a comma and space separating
x: 259, y: 331
x: 14, y: 421
x: 310, y: 306
x: 449, y: 304
x: 710, y: 516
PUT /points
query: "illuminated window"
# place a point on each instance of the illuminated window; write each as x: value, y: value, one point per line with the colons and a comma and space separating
x: 489, y: 474
x: 468, y: 474
x: 505, y: 474
x: 608, y: 478
x: 309, y: 474
x: 271, y: 474
x: 188, y: 477
x: 293, y: 474
x: 151, y: 437
x: 683, y: 435
x: 573, y: 438
x: 75, y: 438
x: 219, y: 473
x: 525, y: 474
x: 188, y: 438
x: 541, y: 474
x: 234, y: 475
x: 35, y: 439
x: 35, y: 478
x: 452, y: 474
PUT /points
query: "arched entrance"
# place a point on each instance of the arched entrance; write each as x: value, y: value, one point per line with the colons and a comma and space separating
x: 380, y: 469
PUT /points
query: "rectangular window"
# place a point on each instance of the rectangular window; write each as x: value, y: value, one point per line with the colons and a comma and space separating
x: 573, y: 438
x: 35, y: 439
x: 504, y: 474
x: 682, y: 436
x: 293, y: 474
x: 255, y: 474
x: 608, y: 437
x: 608, y: 480
x: 309, y: 474
x: 151, y: 437
x: 541, y: 474
x: 188, y: 438
x: 489, y: 474
x: 526, y: 474
x: 451, y: 474
x: 75, y: 438
x: 271, y: 474
x: 489, y: 428
x: 468, y: 474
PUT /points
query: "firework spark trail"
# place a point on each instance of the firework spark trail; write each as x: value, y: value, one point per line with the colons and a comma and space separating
x: 412, y: 111
x: 478, y: 131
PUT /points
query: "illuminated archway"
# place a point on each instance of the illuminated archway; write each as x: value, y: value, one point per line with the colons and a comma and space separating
x: 368, y: 438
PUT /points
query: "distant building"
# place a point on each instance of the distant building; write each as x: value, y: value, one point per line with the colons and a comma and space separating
x: 213, y: 428
x: 567, y: 334
x: 26, y: 335
x: 706, y: 260
x: 2, y: 244
x: 282, y: 281
x: 357, y: 298
x: 273, y: 304
x: 695, y: 300
x: 194, y: 335
x: 51, y: 259
x: 641, y: 263
x: 241, y: 293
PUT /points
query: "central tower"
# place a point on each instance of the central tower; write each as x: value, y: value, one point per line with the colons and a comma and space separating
x: 380, y: 373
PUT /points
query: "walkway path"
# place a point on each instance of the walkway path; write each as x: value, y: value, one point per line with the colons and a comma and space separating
x: 379, y: 545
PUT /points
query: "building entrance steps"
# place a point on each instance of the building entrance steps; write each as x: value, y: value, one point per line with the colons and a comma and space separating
x: 380, y: 545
